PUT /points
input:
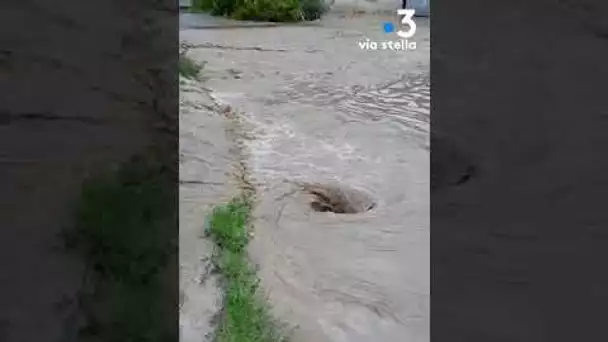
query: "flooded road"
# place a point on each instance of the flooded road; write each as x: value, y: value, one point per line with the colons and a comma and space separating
x: 319, y: 112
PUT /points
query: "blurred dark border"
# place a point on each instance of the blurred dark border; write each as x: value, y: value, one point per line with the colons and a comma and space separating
x: 88, y: 89
x: 519, y: 223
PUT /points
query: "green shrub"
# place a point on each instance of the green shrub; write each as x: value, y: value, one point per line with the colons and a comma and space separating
x: 202, y: 5
x: 313, y: 9
x: 268, y: 10
x: 215, y: 7
x: 224, y: 7
x: 264, y: 10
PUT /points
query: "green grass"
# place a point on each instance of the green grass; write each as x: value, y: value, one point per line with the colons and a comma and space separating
x: 189, y: 68
x: 245, y: 316
x: 263, y: 10
x: 125, y: 232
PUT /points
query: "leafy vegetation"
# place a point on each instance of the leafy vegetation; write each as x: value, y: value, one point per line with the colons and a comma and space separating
x: 245, y: 316
x: 264, y: 10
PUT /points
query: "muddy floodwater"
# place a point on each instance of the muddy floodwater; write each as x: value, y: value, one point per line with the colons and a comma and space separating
x: 336, y: 140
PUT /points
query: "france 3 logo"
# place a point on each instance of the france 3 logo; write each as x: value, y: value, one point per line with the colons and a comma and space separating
x: 406, y: 30
x: 407, y: 22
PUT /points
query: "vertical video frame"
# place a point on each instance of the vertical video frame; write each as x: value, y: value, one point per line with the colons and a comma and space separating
x: 304, y: 170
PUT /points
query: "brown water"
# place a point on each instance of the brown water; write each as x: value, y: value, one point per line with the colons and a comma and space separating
x: 317, y: 109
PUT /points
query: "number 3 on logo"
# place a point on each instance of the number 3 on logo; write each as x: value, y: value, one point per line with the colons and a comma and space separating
x: 408, y: 15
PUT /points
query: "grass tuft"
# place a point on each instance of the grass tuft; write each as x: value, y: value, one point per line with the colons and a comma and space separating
x: 125, y: 233
x: 246, y: 315
x: 189, y: 68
